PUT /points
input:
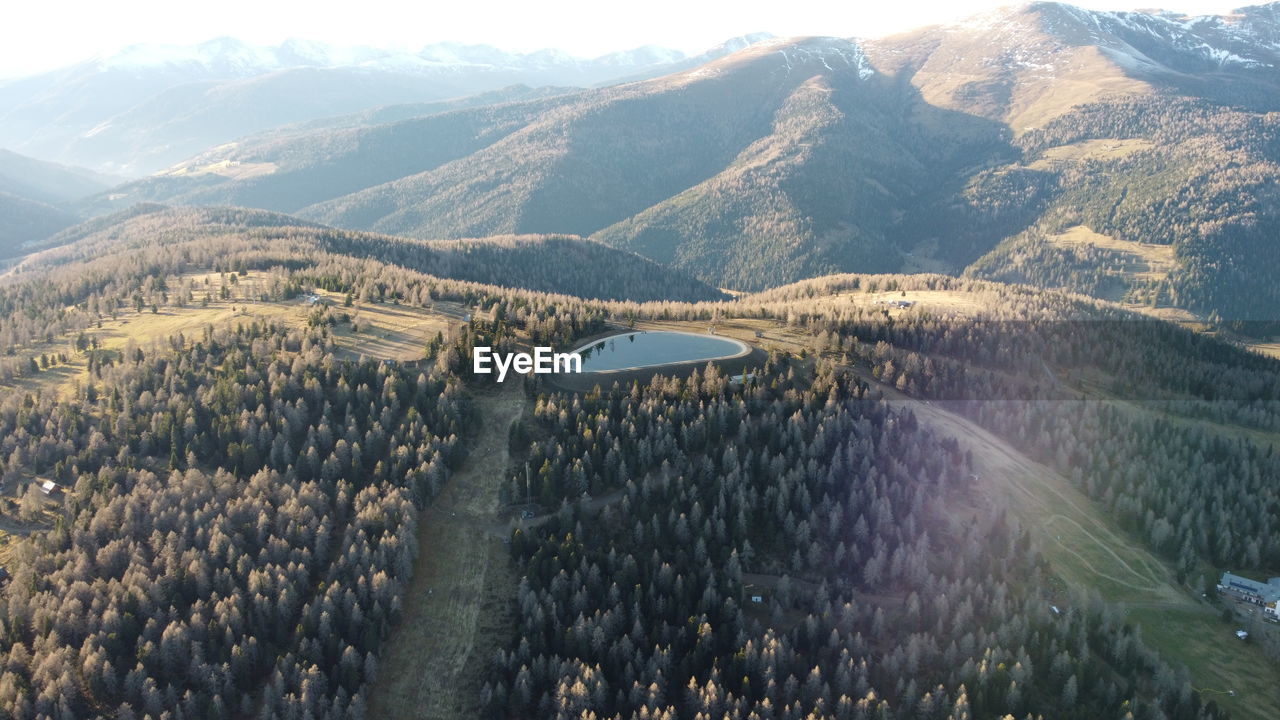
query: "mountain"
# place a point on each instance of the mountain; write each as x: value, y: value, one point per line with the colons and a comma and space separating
x: 285, y: 172
x: 30, y: 190
x: 27, y: 221
x: 385, y: 114
x: 1148, y: 160
x: 148, y: 106
x: 48, y: 182
x: 1027, y: 65
x: 798, y: 145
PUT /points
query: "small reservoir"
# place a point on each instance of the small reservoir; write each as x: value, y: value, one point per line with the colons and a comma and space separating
x: 634, y: 350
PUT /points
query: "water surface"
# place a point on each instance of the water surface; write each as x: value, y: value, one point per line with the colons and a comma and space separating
x: 648, y: 349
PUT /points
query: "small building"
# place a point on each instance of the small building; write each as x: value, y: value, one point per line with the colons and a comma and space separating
x: 896, y: 303
x: 1266, y: 595
x: 757, y: 599
x: 50, y: 488
x: 1242, y: 634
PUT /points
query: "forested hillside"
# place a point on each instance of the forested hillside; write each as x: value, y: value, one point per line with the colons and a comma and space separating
x: 289, y: 173
x: 33, y: 195
x: 1145, y: 128
x: 27, y: 221
x: 1197, y: 178
x: 236, y: 534
x: 788, y: 548
x: 240, y: 523
x: 1118, y: 424
x: 191, y: 237
x: 48, y: 182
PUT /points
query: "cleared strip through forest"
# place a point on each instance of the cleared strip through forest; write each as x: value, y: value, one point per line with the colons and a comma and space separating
x: 1087, y: 551
x: 459, y: 603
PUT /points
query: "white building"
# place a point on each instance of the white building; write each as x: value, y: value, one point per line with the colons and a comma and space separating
x: 1266, y: 595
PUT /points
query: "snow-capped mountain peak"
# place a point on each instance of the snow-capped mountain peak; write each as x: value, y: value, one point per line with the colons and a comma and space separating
x: 1158, y: 39
x: 220, y: 55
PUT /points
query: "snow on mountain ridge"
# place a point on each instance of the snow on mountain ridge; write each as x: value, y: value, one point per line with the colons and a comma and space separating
x: 810, y: 51
x: 1219, y: 39
x: 232, y: 57
x: 1247, y: 38
x: 846, y: 52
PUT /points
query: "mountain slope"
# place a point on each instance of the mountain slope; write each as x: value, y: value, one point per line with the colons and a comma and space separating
x: 1138, y: 128
x: 1196, y: 179
x: 1027, y: 65
x: 48, y: 182
x: 29, y: 191
x: 288, y: 172
x: 771, y: 138
x: 823, y: 191
x: 24, y: 221
x: 554, y: 264
x: 386, y: 114
x: 184, y: 120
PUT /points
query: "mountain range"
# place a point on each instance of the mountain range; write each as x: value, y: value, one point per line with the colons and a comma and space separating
x: 148, y: 106
x: 1126, y: 155
x: 637, y: 164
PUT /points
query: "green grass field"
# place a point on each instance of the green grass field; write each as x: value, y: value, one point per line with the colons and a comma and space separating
x: 1219, y: 662
x: 1088, y: 552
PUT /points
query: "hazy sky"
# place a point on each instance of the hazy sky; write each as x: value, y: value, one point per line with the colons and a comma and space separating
x: 42, y: 34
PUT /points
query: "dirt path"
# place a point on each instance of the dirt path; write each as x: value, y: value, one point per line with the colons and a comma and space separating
x: 459, y: 603
x: 1152, y: 581
x: 502, y: 529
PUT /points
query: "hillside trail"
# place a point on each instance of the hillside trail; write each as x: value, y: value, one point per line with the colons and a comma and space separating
x: 459, y: 603
x: 1041, y: 495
